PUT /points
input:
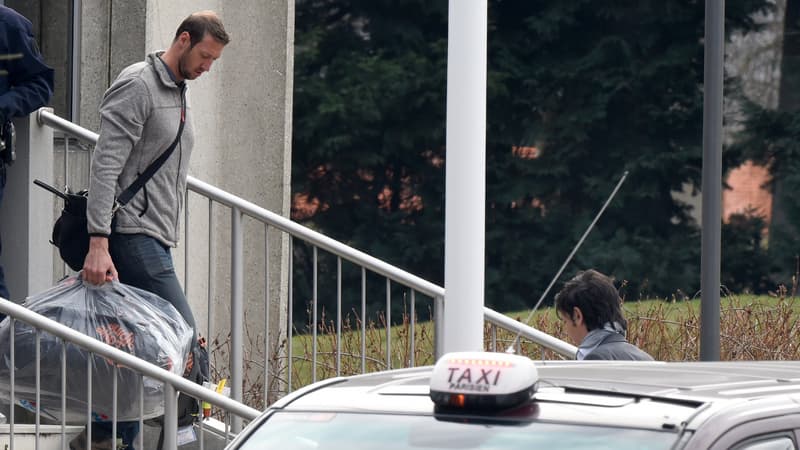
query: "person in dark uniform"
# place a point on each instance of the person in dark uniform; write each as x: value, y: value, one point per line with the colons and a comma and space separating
x: 590, y: 309
x: 26, y: 84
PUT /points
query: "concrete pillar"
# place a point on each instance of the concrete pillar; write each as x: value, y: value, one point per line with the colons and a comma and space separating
x: 113, y: 36
x: 27, y: 256
x: 242, y: 116
x: 255, y: 117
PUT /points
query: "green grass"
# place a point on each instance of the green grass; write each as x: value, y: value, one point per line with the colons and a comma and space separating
x: 751, y: 328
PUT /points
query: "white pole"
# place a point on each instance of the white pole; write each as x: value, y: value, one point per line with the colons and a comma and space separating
x: 465, y: 187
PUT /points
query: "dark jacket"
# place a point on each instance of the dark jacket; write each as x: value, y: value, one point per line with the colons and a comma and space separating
x: 614, y: 346
x: 26, y: 83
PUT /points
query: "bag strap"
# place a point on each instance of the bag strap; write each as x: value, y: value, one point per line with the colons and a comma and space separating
x: 148, y: 173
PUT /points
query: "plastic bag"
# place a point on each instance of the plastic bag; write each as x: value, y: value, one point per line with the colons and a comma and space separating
x: 130, y: 319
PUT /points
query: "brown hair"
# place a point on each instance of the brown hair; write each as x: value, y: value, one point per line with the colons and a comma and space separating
x: 595, y: 295
x: 201, y: 23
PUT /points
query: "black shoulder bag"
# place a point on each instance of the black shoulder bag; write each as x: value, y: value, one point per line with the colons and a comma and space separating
x: 70, y: 232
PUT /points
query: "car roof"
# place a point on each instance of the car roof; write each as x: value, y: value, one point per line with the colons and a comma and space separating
x: 653, y: 395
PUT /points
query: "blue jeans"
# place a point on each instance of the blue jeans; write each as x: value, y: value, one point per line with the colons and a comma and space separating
x: 144, y: 262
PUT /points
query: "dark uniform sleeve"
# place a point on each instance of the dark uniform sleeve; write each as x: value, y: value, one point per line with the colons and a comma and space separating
x: 26, y: 82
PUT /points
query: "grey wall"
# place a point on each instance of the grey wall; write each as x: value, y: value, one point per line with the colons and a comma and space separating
x: 113, y: 37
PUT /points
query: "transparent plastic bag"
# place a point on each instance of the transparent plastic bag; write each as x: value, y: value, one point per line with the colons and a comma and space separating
x: 130, y: 319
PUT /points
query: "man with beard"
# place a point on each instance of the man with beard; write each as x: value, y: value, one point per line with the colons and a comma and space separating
x: 142, y: 115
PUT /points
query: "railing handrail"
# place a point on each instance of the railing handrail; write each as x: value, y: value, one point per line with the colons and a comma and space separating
x: 317, y: 239
x: 557, y: 345
x: 46, y: 116
x: 19, y: 312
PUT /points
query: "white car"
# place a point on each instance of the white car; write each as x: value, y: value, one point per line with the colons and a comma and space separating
x: 480, y: 400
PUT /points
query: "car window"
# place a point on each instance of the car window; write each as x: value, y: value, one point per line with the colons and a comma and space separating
x: 319, y: 431
x: 773, y: 442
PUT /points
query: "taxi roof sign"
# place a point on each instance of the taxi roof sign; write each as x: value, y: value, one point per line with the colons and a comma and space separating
x: 482, y: 380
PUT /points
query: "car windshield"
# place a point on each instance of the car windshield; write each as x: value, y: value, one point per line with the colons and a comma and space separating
x: 305, y: 430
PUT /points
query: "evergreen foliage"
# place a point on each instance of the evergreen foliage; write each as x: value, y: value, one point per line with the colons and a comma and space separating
x: 596, y: 87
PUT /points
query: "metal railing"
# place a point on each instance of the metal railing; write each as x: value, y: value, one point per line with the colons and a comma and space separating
x: 173, y: 384
x: 278, y: 378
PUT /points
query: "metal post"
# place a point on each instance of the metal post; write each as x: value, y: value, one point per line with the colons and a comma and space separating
x: 314, y: 319
x: 363, y: 320
x: 338, y: 316
x: 267, y: 304
x: 712, y: 180
x: 212, y: 274
x: 465, y: 185
x: 237, y: 312
x: 438, y: 326
x: 170, y: 417
x: 289, y: 317
x: 186, y: 244
x: 388, y: 324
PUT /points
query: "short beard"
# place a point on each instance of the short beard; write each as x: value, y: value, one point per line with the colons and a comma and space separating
x: 182, y: 68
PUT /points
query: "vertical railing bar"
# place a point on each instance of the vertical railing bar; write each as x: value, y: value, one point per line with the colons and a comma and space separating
x: 63, y: 394
x: 66, y: 162
x: 363, y: 320
x: 114, y: 381
x: 413, y: 321
x: 314, y: 319
x: 289, y: 315
x: 338, y: 316
x: 211, y: 288
x: 202, y: 427
x: 38, y: 383
x: 140, y: 436
x: 186, y: 243
x: 212, y: 281
x: 227, y: 426
x: 237, y: 312
x: 438, y: 325
x: 266, y: 315
x: 388, y: 324
x: 170, y: 428
x: 89, y: 361
x: 493, y: 333
x: 11, y: 333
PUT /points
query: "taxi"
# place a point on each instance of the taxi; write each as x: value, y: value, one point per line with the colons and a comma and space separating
x: 479, y: 400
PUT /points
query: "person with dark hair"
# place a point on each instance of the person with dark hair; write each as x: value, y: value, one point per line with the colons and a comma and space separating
x: 26, y: 84
x: 144, y: 115
x: 590, y: 308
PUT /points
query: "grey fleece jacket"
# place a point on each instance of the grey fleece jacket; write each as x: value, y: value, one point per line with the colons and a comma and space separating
x: 139, y: 119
